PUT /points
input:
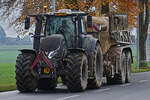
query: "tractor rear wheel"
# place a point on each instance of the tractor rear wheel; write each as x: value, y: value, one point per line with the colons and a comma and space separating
x: 96, y: 82
x: 76, y: 72
x: 26, y: 79
x: 47, y: 84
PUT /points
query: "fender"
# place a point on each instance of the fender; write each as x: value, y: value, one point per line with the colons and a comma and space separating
x: 31, y: 51
x: 89, y: 45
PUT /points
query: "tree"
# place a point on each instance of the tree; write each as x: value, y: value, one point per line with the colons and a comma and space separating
x: 36, y: 6
x: 143, y: 30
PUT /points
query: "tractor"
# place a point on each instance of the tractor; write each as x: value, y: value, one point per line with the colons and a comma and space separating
x: 79, y: 48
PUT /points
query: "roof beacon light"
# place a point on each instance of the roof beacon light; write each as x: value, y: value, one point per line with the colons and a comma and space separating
x: 45, y: 7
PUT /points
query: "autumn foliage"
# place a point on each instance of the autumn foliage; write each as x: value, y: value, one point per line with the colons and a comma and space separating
x: 121, y: 6
x: 37, y: 7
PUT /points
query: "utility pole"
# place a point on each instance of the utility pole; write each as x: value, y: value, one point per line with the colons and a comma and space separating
x: 53, y: 7
x: 137, y: 42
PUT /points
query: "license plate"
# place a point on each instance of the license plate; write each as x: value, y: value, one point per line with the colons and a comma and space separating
x: 46, y: 70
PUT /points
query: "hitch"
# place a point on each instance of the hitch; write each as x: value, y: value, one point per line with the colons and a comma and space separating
x: 42, y: 55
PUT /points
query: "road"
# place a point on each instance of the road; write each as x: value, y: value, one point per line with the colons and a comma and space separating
x: 138, y: 89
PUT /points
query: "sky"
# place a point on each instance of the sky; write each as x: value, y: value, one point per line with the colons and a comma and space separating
x: 10, y: 32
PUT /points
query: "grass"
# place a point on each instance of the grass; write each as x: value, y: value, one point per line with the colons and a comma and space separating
x: 8, y: 56
x: 134, y: 70
x: 7, y: 77
x: 140, y: 70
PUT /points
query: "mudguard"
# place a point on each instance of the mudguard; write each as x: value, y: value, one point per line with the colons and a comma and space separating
x: 31, y: 51
x: 89, y: 44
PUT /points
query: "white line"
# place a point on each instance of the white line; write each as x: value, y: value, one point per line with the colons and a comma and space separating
x: 9, y: 92
x: 102, y: 90
x: 64, y: 98
x: 124, y: 85
x: 142, y: 81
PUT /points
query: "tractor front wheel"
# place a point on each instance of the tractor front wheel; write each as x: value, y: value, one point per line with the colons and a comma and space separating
x: 76, y: 70
x: 26, y: 79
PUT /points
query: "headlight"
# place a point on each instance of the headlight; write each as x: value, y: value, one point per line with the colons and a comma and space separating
x: 51, y: 54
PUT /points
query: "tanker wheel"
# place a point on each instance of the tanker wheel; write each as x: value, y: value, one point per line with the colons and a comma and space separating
x: 76, y: 72
x: 121, y: 77
x: 96, y: 82
x: 26, y: 79
x: 128, y: 69
x: 47, y: 84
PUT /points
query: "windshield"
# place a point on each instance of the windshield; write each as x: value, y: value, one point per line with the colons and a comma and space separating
x: 54, y: 23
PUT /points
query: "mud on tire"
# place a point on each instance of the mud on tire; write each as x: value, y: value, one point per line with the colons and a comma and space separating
x: 96, y: 82
x: 76, y: 71
x: 26, y: 79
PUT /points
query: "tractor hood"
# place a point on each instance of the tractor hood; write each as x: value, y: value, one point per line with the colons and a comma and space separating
x: 51, y: 43
x: 54, y: 46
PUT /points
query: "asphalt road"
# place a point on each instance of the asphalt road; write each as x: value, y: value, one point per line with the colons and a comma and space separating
x: 138, y: 89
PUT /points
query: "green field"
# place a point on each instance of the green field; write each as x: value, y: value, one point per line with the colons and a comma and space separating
x: 7, y: 77
x: 8, y: 56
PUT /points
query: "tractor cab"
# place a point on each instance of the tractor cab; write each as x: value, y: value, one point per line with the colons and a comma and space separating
x: 69, y: 25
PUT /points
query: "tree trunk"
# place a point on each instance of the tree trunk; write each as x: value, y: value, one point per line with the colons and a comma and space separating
x: 143, y: 30
x: 142, y: 53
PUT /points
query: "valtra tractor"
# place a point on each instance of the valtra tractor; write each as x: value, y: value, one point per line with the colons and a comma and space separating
x: 79, y: 48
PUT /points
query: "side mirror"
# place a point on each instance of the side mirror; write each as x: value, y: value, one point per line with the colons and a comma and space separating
x: 89, y: 21
x: 27, y: 23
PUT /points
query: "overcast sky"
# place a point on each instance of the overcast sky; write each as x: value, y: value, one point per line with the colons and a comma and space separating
x: 9, y: 30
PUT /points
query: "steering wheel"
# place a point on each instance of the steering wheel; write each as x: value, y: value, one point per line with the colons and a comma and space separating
x: 60, y: 30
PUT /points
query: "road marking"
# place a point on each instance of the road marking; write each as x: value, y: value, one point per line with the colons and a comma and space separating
x: 64, y: 98
x: 61, y: 86
x: 9, y: 92
x: 124, y: 85
x: 143, y: 81
x: 102, y: 90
